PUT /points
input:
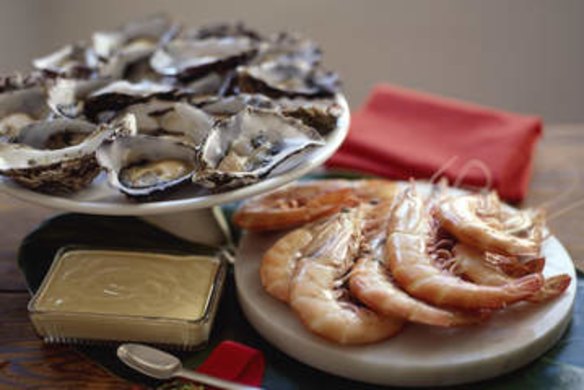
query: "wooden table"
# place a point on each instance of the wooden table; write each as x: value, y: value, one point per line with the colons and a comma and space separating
x: 558, y: 182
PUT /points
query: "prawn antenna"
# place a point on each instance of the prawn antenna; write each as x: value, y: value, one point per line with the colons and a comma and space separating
x: 443, y: 169
x: 482, y: 166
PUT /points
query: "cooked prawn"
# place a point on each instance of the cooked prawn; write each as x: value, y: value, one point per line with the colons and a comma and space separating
x: 472, y: 263
x: 371, y: 282
x: 279, y: 262
x: 295, y: 205
x: 410, y: 262
x: 318, y: 292
x: 301, y: 203
x: 481, y: 221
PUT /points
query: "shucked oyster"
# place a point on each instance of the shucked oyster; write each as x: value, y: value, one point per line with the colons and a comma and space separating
x: 321, y: 114
x: 110, y: 52
x: 22, y: 102
x: 171, y: 119
x: 56, y: 156
x: 145, y: 167
x: 72, y: 61
x: 248, y: 146
x: 188, y: 59
x: 104, y: 103
x: 289, y: 78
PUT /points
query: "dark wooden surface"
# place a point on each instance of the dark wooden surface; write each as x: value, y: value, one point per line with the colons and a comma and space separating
x: 557, y: 184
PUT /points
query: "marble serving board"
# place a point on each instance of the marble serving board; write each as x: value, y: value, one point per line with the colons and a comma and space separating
x: 420, y: 355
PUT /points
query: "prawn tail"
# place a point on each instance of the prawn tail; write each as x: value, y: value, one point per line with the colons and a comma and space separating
x: 524, y: 287
x: 552, y: 287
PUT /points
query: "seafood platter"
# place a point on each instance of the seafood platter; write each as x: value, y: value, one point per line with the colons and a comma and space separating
x: 155, y: 117
x: 402, y: 283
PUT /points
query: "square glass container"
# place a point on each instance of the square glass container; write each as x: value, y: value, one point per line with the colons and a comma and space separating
x: 97, y: 295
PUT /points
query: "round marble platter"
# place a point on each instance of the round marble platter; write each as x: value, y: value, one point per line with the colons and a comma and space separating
x: 420, y: 355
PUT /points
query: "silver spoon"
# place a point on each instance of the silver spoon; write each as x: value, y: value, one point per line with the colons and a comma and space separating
x: 161, y: 365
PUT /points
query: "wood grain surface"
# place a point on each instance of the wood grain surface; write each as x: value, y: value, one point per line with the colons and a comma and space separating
x: 25, y: 362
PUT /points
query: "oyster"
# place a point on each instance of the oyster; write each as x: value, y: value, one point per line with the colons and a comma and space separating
x: 145, y: 167
x: 22, y: 102
x: 222, y: 30
x: 289, y: 47
x: 171, y: 119
x: 321, y: 114
x: 287, y: 78
x: 66, y: 97
x: 189, y: 59
x: 248, y: 146
x: 56, y: 156
x: 77, y: 61
x: 142, y: 35
x: 104, y: 103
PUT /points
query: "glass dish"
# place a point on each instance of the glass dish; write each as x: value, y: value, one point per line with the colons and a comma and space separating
x: 96, y: 295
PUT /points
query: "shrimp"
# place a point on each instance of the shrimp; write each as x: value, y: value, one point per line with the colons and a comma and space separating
x: 409, y: 259
x: 305, y: 202
x: 279, y: 262
x: 371, y: 282
x: 480, y: 221
x: 473, y: 264
x: 318, y: 292
x: 295, y: 205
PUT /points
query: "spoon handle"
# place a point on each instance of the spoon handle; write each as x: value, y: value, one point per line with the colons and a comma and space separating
x: 212, y: 381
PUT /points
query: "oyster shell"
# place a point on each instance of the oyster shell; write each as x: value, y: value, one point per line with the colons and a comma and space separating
x: 77, y: 61
x: 222, y: 30
x: 289, y: 47
x: 287, y: 78
x: 104, y: 103
x: 189, y: 59
x: 56, y: 156
x: 22, y: 102
x: 141, y: 35
x: 321, y: 114
x: 248, y: 146
x: 171, y: 119
x: 144, y: 167
x: 66, y: 97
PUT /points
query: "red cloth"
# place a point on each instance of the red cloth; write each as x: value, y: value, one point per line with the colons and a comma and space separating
x: 400, y: 134
x: 235, y: 362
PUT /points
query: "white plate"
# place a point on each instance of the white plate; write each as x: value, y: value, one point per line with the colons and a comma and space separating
x: 99, y: 198
x: 420, y: 355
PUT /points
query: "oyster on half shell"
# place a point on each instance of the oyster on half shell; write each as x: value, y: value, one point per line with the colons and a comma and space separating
x: 319, y: 113
x: 249, y: 145
x: 56, y: 156
x: 144, y: 167
x: 287, y: 78
x: 22, y: 102
x: 189, y: 59
x: 179, y: 120
x: 105, y: 103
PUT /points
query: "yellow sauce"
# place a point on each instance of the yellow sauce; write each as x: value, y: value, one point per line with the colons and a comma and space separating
x: 129, y: 284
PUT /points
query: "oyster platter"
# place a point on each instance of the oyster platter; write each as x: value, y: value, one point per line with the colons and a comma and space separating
x: 154, y: 112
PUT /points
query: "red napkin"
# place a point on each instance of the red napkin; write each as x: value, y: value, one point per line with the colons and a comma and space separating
x: 235, y: 362
x: 400, y: 134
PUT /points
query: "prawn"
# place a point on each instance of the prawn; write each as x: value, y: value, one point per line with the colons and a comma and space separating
x: 408, y: 257
x: 480, y: 221
x: 301, y: 203
x: 318, y: 292
x: 371, y: 282
x: 475, y: 266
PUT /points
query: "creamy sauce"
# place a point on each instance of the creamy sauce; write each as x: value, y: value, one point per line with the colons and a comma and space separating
x: 129, y: 283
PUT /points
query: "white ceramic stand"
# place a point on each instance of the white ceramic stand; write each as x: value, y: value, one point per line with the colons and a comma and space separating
x: 205, y: 226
